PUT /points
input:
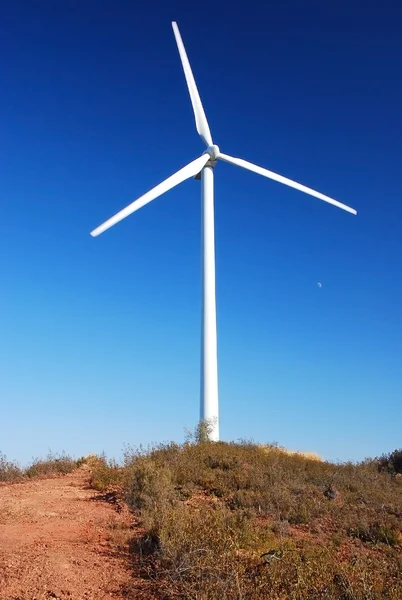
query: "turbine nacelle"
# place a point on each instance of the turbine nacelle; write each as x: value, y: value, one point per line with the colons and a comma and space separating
x: 213, y: 152
x: 207, y: 159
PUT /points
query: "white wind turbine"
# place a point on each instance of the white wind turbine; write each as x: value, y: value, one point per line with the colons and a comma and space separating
x: 204, y: 165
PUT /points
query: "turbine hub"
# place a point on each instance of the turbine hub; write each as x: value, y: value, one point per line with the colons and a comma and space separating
x: 213, y: 151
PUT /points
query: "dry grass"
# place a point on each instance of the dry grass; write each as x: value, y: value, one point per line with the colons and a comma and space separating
x: 9, y: 471
x: 52, y: 464
x: 308, y: 455
x: 242, y: 521
x: 104, y: 473
x: 239, y: 521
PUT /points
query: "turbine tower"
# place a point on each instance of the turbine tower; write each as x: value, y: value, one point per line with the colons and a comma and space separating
x: 203, y: 167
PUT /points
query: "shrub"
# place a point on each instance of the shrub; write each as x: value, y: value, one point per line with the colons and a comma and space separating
x: 391, y: 463
x: 53, y: 464
x: 149, y: 488
x: 377, y: 532
x: 9, y: 471
x: 225, y: 520
x: 105, y: 473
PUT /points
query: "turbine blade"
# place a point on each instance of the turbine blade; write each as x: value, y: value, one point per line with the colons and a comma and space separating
x: 186, y: 172
x: 271, y: 175
x: 199, y: 114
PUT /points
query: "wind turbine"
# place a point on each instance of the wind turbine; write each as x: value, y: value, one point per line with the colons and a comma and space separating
x: 203, y: 167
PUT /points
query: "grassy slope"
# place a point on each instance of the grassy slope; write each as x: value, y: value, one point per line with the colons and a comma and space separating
x: 211, y: 510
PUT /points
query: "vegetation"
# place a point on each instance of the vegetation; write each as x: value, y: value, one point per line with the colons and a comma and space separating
x: 53, y: 464
x: 392, y: 463
x: 244, y: 521
x: 9, y: 471
x: 241, y: 521
x: 105, y: 474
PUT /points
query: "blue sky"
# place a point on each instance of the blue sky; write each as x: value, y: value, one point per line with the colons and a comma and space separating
x: 99, y: 338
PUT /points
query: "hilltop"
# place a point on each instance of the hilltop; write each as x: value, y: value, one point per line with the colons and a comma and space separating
x: 202, y: 521
x: 224, y: 520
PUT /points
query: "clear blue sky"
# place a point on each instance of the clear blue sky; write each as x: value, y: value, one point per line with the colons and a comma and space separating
x: 99, y: 338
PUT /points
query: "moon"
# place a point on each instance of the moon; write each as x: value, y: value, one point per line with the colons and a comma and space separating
x: 319, y: 284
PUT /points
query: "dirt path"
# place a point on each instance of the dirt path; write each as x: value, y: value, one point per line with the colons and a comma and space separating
x: 58, y: 540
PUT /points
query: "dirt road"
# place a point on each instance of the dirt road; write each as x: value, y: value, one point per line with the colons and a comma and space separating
x: 58, y: 540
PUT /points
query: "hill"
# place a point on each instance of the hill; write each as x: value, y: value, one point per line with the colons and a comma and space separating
x: 224, y: 520
x: 202, y: 521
